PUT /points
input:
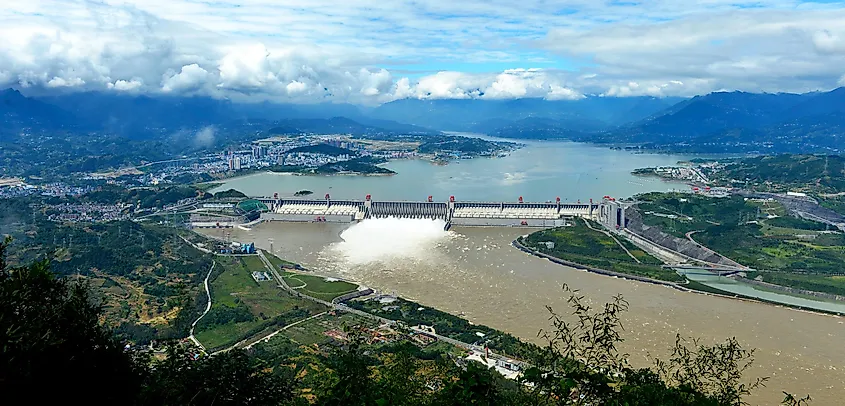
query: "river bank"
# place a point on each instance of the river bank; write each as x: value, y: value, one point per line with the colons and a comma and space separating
x: 475, y: 273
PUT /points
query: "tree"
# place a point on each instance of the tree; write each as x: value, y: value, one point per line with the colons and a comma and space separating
x: 399, y: 379
x: 54, y: 348
x: 349, y: 382
x: 473, y: 385
x: 184, y: 377
x: 56, y: 351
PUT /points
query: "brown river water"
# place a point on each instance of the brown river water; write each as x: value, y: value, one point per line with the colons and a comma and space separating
x: 474, y: 272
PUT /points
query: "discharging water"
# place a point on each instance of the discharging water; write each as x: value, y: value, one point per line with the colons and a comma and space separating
x: 475, y: 272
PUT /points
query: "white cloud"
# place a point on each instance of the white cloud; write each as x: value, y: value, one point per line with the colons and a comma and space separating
x: 62, y: 82
x: 190, y: 77
x: 561, y: 93
x: 125, y: 85
x: 363, y: 51
x: 296, y: 87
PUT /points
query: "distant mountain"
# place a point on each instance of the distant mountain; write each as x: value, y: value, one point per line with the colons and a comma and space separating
x: 546, y: 129
x: 591, y: 113
x: 819, y: 104
x: 716, y: 122
x: 139, y: 116
x: 336, y: 125
x: 18, y: 111
x: 738, y: 121
x: 716, y: 112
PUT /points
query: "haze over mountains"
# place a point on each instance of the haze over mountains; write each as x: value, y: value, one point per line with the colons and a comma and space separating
x: 716, y: 122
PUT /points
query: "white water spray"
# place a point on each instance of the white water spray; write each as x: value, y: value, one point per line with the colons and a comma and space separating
x: 390, y: 239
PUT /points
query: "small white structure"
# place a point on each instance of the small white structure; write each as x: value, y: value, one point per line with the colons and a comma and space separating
x: 507, y: 368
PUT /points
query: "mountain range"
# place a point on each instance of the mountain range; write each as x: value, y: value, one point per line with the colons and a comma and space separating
x: 716, y: 122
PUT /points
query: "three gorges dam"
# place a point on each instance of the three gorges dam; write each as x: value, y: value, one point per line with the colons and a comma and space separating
x: 452, y: 212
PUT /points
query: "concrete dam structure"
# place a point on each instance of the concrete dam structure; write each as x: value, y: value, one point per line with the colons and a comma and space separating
x: 550, y: 214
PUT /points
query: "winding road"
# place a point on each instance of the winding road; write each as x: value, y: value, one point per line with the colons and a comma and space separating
x: 207, y: 308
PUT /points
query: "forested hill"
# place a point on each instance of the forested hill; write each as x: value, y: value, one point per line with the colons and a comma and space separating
x: 818, y: 174
x: 148, y: 277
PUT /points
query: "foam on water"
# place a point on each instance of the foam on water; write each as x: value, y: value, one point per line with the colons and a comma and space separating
x: 389, y: 239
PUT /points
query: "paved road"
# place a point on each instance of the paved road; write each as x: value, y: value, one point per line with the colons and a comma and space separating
x: 207, y: 308
x: 614, y: 239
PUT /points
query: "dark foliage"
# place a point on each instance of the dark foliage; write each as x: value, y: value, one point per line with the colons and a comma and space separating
x: 54, y: 347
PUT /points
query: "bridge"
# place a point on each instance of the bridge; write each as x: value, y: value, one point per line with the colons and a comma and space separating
x: 520, y: 213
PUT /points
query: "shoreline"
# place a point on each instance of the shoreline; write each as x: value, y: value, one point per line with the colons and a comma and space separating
x: 680, y: 287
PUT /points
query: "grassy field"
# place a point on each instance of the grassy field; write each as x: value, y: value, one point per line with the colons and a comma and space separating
x: 680, y: 213
x: 311, y: 331
x: 760, y: 234
x: 778, y: 249
x: 278, y: 262
x: 226, y: 334
x: 318, y: 286
x: 836, y: 204
x: 240, y: 305
x: 582, y: 245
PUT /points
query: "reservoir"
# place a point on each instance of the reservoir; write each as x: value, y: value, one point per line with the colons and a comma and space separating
x: 539, y: 172
x: 474, y: 272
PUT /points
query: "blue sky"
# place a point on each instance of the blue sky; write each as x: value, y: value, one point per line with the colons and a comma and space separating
x: 374, y: 51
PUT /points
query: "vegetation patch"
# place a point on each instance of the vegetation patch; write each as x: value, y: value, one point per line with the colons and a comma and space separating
x: 680, y: 213
x: 583, y: 245
x: 445, y: 324
x: 279, y: 263
x: 781, y: 173
x: 318, y: 286
x: 242, y: 307
x: 759, y: 234
x: 252, y: 205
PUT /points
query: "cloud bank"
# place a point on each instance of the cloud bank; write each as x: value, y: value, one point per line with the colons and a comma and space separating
x: 363, y: 51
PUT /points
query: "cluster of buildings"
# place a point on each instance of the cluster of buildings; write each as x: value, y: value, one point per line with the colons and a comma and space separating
x: 310, y: 159
x: 685, y: 173
x: 261, y: 276
x: 238, y: 248
x: 262, y: 154
x: 508, y: 368
x: 21, y: 189
x: 88, y: 212
x: 11, y: 191
x: 383, y: 334
x: 62, y: 190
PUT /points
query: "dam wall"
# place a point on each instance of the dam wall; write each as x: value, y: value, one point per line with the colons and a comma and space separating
x: 308, y: 218
x: 421, y: 210
x: 506, y: 222
x: 524, y: 214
